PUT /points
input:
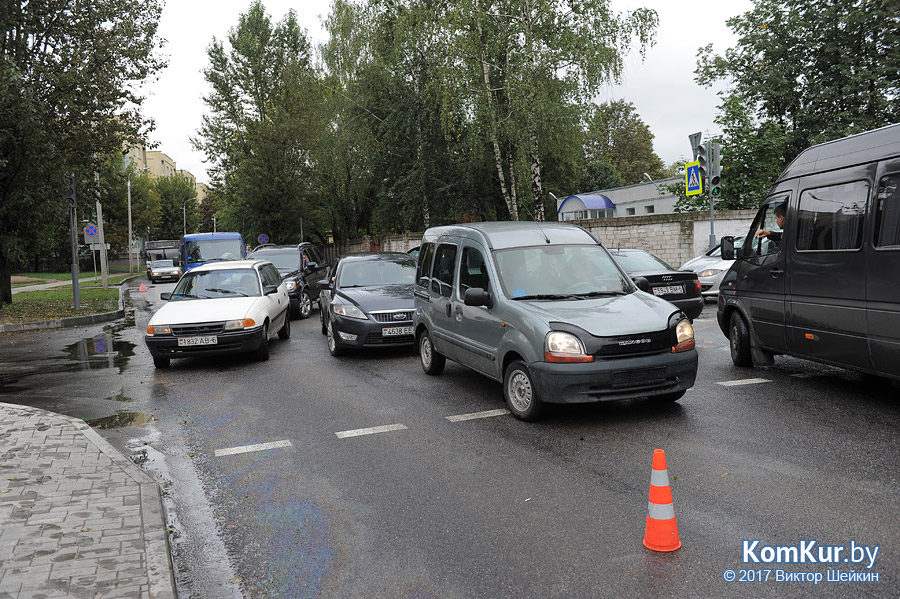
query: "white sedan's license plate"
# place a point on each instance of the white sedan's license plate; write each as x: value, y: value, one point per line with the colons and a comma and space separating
x: 390, y: 331
x: 189, y: 341
x: 669, y: 290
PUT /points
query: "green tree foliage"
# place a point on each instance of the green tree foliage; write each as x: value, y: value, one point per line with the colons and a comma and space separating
x: 177, y: 198
x: 599, y: 175
x: 617, y: 136
x: 261, y: 126
x: 803, y: 72
x: 67, y: 70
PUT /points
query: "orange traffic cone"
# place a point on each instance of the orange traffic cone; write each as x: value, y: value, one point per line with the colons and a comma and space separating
x: 661, y: 533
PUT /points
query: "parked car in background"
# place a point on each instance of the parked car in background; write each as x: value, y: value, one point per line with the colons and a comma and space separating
x: 163, y: 270
x: 680, y: 287
x: 543, y: 309
x: 301, y: 267
x: 710, y: 268
x: 218, y: 308
x: 367, y: 301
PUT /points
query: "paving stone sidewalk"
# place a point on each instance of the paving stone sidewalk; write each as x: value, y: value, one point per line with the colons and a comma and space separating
x: 77, y: 518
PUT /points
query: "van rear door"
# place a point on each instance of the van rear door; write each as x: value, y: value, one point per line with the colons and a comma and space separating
x: 883, y: 272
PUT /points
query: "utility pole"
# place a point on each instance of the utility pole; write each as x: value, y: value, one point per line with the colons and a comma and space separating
x: 69, y: 198
x: 130, y: 238
x: 104, y: 266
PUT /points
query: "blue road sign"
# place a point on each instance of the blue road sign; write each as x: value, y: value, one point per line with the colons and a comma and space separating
x: 90, y: 230
x: 100, y: 345
x: 693, y: 184
x: 262, y: 239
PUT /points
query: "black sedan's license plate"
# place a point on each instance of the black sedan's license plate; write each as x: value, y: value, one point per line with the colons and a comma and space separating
x: 669, y: 290
x: 392, y: 331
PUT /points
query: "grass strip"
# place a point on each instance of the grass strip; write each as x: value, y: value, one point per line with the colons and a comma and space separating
x: 50, y: 304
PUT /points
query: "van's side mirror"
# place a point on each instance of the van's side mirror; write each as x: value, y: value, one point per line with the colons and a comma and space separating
x: 727, y: 245
x: 476, y: 296
x: 323, y: 284
x: 642, y: 284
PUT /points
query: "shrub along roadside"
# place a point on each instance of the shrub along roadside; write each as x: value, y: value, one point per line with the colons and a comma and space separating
x: 50, y: 304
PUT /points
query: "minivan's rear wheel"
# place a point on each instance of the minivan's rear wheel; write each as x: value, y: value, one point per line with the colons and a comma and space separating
x: 520, y: 393
x: 432, y: 362
x: 739, y: 340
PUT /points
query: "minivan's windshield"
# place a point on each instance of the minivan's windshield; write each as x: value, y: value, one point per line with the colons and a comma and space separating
x: 559, y: 272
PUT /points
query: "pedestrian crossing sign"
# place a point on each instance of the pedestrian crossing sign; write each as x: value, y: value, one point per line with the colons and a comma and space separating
x: 693, y: 185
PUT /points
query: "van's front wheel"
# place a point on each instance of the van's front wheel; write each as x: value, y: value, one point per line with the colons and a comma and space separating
x: 520, y: 393
x: 739, y: 340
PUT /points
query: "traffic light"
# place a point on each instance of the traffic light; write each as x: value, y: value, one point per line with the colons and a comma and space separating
x: 715, y: 180
x: 702, y: 152
x: 69, y: 191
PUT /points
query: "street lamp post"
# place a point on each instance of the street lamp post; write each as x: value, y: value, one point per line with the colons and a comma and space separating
x: 184, y: 217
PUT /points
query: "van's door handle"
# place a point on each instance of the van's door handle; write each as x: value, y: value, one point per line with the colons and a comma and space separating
x: 776, y: 272
x: 449, y: 307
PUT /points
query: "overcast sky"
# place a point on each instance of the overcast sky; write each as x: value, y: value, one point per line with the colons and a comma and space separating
x: 662, y: 88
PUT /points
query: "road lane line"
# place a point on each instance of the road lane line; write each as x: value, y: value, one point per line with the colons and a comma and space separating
x: 255, y: 447
x: 475, y: 415
x: 371, y: 431
x: 804, y: 375
x: 743, y: 382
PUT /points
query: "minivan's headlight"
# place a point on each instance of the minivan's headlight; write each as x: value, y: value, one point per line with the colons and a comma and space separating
x: 564, y: 347
x: 684, y: 336
x: 348, y: 310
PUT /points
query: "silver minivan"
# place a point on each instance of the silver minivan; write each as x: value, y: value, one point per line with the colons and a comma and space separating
x: 544, y: 309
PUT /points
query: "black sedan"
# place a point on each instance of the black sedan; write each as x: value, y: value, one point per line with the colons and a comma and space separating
x: 367, y: 301
x: 681, y: 287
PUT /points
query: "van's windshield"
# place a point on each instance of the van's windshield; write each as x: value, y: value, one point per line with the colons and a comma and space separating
x: 559, y: 272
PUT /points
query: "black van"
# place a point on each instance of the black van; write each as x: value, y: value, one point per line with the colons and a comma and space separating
x: 826, y: 287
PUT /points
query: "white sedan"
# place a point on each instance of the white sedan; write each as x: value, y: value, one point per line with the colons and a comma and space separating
x: 221, y: 307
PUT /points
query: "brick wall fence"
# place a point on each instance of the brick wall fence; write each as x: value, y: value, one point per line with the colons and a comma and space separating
x: 676, y: 238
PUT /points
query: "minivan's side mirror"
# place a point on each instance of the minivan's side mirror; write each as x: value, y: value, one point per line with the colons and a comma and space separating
x: 642, y: 284
x: 476, y: 296
x: 727, y: 244
x: 323, y: 284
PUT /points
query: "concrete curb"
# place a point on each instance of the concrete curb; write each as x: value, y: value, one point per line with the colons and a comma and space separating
x: 160, y: 572
x: 73, y: 321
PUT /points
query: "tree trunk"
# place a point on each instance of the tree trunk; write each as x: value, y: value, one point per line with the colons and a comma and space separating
x: 511, y: 203
x: 537, y: 188
x: 5, y: 282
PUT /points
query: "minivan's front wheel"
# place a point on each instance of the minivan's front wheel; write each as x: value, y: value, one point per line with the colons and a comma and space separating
x: 520, y: 393
x: 739, y: 340
x: 432, y: 362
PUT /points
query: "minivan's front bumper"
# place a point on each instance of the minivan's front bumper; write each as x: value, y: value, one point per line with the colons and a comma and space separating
x: 613, y: 379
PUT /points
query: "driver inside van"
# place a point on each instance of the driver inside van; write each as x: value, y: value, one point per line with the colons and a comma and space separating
x: 779, y: 220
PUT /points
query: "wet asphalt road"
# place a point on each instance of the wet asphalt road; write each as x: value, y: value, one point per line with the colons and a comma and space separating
x: 489, y: 507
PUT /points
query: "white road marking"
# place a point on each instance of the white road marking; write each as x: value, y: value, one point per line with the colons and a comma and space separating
x: 804, y: 375
x: 475, y: 415
x: 743, y: 382
x: 249, y: 448
x: 371, y: 431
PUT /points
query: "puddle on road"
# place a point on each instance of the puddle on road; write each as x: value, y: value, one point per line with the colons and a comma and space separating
x: 100, y: 351
x: 121, y: 419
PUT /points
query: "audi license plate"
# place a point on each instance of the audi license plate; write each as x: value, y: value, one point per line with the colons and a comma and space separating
x: 189, y: 341
x: 393, y: 331
x: 668, y: 290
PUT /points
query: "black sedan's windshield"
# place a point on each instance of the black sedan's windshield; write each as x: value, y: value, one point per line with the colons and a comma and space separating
x: 377, y: 272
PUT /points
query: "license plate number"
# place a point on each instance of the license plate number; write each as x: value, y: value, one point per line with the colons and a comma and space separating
x: 392, y: 331
x: 189, y: 341
x: 668, y: 290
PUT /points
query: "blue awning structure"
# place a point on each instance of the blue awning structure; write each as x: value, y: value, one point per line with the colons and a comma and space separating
x: 590, y: 202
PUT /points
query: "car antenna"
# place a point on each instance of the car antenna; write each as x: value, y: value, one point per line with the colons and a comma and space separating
x: 537, y: 222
